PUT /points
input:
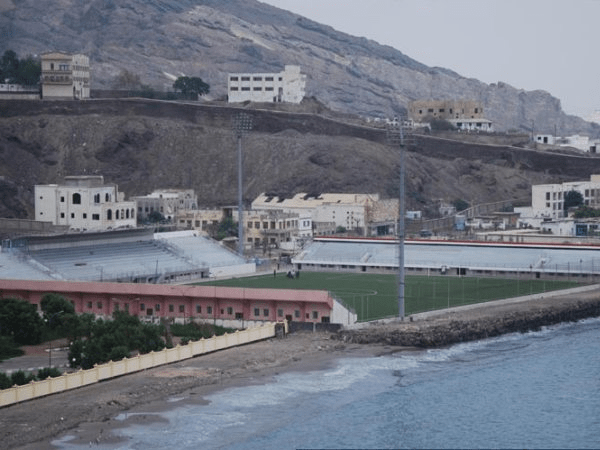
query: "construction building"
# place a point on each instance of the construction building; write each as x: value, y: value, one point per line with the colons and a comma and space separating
x: 465, y: 115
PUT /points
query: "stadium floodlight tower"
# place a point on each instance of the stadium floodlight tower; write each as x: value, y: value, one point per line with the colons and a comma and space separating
x: 242, y: 124
x: 396, y: 136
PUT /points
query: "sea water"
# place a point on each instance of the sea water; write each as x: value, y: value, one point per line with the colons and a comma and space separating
x: 535, y: 390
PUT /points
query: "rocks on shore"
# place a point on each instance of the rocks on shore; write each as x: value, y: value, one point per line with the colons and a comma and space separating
x: 463, y: 328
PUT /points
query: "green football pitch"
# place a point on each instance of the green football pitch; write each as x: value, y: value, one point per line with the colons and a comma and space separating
x: 374, y: 296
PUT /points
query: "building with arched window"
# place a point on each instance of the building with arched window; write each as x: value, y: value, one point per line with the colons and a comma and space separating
x: 84, y: 203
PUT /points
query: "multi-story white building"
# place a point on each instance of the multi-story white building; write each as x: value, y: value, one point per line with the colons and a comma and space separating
x: 65, y: 76
x: 84, y: 203
x: 287, y: 86
x: 547, y: 200
x: 167, y: 202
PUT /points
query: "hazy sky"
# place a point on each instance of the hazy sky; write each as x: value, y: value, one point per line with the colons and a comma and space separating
x: 529, y: 44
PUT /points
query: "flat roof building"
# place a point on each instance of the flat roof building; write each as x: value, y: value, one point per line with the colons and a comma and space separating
x: 65, y: 76
x: 84, y: 203
x: 288, y: 86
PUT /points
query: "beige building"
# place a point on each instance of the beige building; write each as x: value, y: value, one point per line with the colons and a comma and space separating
x: 262, y: 229
x: 276, y: 229
x: 84, y: 203
x: 365, y: 214
x: 65, y: 76
x: 424, y: 110
x: 167, y: 202
x: 202, y: 220
x: 288, y: 86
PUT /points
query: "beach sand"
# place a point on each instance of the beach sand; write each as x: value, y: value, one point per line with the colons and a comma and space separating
x: 89, y: 413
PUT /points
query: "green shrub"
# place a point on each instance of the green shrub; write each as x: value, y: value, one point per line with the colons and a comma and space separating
x: 5, y: 381
x: 20, y: 378
x: 48, y: 372
x: 8, y: 348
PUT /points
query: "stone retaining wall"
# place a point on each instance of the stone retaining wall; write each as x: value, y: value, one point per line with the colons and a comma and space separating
x: 462, y: 328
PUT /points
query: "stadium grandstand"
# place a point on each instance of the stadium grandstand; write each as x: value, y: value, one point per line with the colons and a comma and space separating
x: 427, y: 257
x: 134, y: 256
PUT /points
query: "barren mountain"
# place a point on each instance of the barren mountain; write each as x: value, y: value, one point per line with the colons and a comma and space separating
x: 143, y: 145
x: 159, y: 39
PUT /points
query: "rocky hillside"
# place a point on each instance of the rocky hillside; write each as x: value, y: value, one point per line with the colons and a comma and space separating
x: 159, y: 39
x: 143, y: 145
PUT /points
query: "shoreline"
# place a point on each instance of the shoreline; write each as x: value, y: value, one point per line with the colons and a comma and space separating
x: 89, y: 413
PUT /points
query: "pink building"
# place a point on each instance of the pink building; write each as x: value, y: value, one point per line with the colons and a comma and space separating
x: 182, y: 302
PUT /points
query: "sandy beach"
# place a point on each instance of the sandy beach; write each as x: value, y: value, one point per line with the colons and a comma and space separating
x: 89, y: 413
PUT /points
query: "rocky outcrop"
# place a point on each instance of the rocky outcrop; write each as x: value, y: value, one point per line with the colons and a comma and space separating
x: 439, y: 333
x: 159, y: 40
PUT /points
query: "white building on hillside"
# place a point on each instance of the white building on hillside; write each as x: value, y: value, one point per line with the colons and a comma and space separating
x: 547, y: 200
x: 287, y: 86
x: 472, y: 125
x: 65, y: 76
x: 84, y: 203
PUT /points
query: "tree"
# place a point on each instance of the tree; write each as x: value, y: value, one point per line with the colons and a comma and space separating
x: 52, y: 304
x: 438, y: 124
x: 59, y: 316
x: 25, y: 71
x: 8, y: 348
x: 9, y: 66
x: 114, y: 340
x: 20, y: 319
x: 29, y: 71
x: 155, y: 217
x: 127, y: 80
x: 585, y: 212
x: 191, y: 87
x: 572, y: 199
x: 225, y: 228
x: 460, y: 204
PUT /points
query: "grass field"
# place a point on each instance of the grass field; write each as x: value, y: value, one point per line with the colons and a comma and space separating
x: 375, y: 296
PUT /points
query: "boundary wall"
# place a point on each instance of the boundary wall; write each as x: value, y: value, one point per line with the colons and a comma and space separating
x: 137, y: 363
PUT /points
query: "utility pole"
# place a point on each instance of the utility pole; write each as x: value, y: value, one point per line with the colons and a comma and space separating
x: 395, y: 136
x: 242, y: 124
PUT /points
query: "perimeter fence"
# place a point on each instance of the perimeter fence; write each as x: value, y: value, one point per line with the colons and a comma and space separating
x: 137, y: 363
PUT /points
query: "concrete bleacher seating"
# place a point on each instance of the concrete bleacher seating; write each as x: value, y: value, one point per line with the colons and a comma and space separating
x: 384, y: 254
x: 204, y: 251
x: 119, y: 261
x: 18, y: 267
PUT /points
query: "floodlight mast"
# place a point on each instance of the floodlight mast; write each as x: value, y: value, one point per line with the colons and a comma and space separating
x: 396, y: 138
x: 242, y: 124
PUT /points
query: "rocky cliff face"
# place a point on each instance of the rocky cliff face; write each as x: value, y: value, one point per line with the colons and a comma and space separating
x: 209, y: 38
x: 143, y: 145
